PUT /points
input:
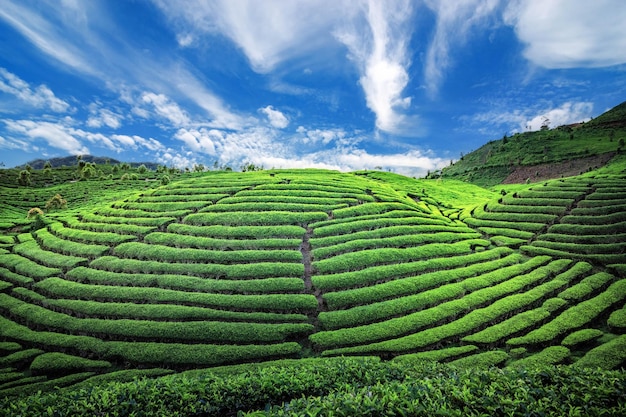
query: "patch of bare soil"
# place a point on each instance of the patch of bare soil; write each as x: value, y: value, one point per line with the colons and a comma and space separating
x: 569, y: 168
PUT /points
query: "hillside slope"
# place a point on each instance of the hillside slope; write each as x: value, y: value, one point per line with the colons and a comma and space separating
x: 224, y: 268
x: 546, y: 154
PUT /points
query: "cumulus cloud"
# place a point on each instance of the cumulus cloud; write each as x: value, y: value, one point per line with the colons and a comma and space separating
x: 167, y: 109
x: 99, y: 117
x: 276, y: 118
x: 64, y: 136
x: 520, y: 120
x: 454, y: 21
x: 55, y: 135
x: 201, y: 140
x: 40, y: 97
x: 569, y: 34
x: 324, y: 136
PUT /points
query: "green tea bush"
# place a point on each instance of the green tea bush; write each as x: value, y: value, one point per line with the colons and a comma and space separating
x: 307, y: 192
x: 503, y: 224
x: 481, y: 360
x: 235, y: 271
x: 582, y: 337
x: 186, y: 241
x: 95, y: 309
x: 587, y: 286
x: 606, y: 219
x: 583, y: 239
x: 159, y: 197
x: 414, y: 288
x: 137, y: 250
x: 294, y: 303
x: 609, y: 355
x: 438, y: 355
x: 198, y: 331
x: 334, y: 228
x: 60, y: 363
x: 617, y: 320
x: 187, y: 283
x: 150, y: 353
x: 517, y: 217
x: 536, y: 201
x: 552, y: 355
x: 288, y: 198
x: 600, y: 210
x: 355, y: 245
x: 574, y: 317
x: 581, y: 248
x: 492, y: 288
x: 500, y: 331
x: 511, y: 233
x: 271, y: 207
x: 67, y: 247
x: 84, y: 236
x: 239, y: 232
x: 367, y: 258
x: 536, y: 250
x: 50, y: 259
x: 158, y: 207
x: 510, y: 208
x: 251, y: 218
x: 369, y: 276
x: 124, y: 229
x: 386, y: 232
x: 137, y: 216
x: 578, y: 229
x: 26, y: 268
x: 137, y: 221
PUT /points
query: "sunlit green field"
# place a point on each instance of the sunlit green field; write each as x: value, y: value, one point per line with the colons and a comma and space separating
x: 223, y: 272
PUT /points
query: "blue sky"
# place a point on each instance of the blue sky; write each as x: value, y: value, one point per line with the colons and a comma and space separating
x: 400, y: 85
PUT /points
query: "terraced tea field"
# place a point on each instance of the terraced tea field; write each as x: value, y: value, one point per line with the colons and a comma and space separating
x: 231, y: 268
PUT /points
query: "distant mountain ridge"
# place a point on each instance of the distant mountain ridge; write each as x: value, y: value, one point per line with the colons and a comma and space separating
x: 71, y: 161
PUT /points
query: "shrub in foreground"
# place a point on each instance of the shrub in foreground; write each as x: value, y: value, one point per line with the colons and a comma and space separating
x: 344, y: 387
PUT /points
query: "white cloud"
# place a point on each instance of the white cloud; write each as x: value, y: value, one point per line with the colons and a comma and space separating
x: 276, y: 117
x: 323, y: 136
x: 269, y: 32
x: 56, y: 135
x: 64, y: 136
x: 380, y: 51
x: 454, y: 20
x: 40, y: 97
x: 567, y: 113
x: 201, y: 140
x: 532, y: 119
x: 45, y: 35
x: 103, y: 117
x: 136, y: 142
x: 412, y: 163
x: 570, y: 33
x: 164, y: 107
x: 84, y: 37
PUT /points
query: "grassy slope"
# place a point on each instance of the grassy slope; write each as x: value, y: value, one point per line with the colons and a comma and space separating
x: 493, y: 162
x: 444, y: 198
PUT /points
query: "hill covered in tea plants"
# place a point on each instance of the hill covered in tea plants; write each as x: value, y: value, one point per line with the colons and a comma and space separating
x: 147, y: 276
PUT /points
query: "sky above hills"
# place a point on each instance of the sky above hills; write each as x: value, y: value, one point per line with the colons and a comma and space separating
x: 397, y: 85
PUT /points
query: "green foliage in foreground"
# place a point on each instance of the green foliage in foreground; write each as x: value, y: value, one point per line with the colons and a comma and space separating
x: 345, y: 387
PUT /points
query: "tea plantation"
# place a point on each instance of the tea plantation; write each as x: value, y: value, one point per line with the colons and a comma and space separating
x: 363, y: 293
